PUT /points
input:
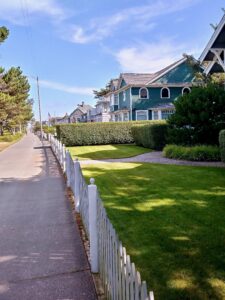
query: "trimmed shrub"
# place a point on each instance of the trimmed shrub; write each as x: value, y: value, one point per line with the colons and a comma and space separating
x: 181, y: 136
x: 151, y: 136
x: 195, y: 153
x: 48, y: 129
x: 82, y: 134
x: 222, y: 144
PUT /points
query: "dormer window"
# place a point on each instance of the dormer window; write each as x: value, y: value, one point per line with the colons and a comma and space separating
x: 143, y: 93
x: 186, y: 90
x: 165, y: 93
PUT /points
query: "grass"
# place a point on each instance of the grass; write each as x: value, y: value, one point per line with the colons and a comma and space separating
x: 7, y: 140
x: 106, y: 151
x: 171, y: 220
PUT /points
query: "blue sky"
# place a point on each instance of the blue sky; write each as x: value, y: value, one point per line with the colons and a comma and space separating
x: 77, y: 46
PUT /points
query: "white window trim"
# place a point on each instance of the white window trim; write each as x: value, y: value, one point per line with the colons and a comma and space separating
x: 127, y: 117
x: 168, y: 93
x: 146, y: 111
x: 124, y: 95
x: 186, y: 87
x: 140, y: 93
x: 153, y: 111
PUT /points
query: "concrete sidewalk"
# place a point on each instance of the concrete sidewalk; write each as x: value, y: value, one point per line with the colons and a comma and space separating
x: 41, y: 253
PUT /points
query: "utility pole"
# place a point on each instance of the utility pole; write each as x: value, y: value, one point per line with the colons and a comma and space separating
x: 39, y: 105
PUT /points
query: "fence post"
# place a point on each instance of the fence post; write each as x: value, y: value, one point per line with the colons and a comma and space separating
x: 68, y: 168
x: 64, y: 158
x: 77, y: 184
x: 93, y: 230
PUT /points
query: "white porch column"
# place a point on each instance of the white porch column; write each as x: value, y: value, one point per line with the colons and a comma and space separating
x: 160, y: 114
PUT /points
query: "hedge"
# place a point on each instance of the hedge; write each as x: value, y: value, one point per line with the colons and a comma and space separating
x: 195, y: 153
x: 151, y: 136
x: 222, y: 144
x: 81, y: 134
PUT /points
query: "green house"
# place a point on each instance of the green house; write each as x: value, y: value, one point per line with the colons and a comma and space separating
x: 136, y: 96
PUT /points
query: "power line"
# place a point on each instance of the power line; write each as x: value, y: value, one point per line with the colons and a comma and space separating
x: 28, y: 31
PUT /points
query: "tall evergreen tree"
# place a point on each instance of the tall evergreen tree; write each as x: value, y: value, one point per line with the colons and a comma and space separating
x: 4, y: 32
x: 15, y: 100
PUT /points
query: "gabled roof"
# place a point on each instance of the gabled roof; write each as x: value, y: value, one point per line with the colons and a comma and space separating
x: 135, y: 78
x: 84, y: 108
x: 212, y: 41
x: 166, y: 70
x: 114, y: 83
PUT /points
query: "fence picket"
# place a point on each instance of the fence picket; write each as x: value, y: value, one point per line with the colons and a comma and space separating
x: 120, y: 279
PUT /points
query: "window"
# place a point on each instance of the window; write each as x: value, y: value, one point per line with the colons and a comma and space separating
x: 165, y: 93
x: 166, y: 114
x: 124, y: 96
x: 125, y: 116
x: 155, y: 115
x: 141, y: 115
x: 186, y: 90
x: 143, y: 93
x: 115, y: 99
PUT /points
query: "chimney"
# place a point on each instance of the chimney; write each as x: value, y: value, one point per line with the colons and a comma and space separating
x: 82, y: 103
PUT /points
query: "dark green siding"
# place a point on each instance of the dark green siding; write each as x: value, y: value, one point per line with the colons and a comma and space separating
x: 181, y: 74
x: 123, y: 83
x: 154, y: 97
x: 126, y: 103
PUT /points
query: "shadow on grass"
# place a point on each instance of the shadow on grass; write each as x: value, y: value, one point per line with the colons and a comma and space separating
x: 171, y: 219
x: 100, y: 152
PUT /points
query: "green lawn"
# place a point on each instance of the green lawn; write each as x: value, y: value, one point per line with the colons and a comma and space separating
x: 172, y: 221
x: 106, y: 151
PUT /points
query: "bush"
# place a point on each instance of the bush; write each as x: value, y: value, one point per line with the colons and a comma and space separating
x: 151, y: 136
x: 10, y: 137
x: 48, y: 129
x: 82, y: 134
x: 199, y: 116
x: 222, y: 144
x: 196, y: 153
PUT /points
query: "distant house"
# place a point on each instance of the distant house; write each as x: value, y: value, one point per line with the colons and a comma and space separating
x: 137, y: 96
x: 58, y: 120
x: 102, y: 110
x: 63, y: 120
x: 80, y: 113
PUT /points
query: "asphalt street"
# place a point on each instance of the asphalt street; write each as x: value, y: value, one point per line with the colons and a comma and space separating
x: 41, y: 253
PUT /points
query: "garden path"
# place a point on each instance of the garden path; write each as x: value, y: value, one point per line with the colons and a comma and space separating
x: 157, y: 157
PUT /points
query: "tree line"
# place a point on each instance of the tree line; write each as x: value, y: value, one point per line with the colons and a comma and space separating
x: 15, y: 104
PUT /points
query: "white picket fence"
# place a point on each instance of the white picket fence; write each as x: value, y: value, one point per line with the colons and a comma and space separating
x: 108, y: 257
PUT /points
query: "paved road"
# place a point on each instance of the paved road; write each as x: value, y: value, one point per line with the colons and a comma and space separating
x: 41, y: 254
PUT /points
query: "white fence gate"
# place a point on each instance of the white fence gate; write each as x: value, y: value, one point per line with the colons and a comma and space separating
x: 108, y: 257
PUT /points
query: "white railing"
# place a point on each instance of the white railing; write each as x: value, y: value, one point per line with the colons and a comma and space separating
x: 108, y: 257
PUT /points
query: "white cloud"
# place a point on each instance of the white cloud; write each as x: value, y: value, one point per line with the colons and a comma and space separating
x: 68, y: 89
x: 148, y: 58
x: 98, y: 29
x: 140, y: 16
x: 20, y: 11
